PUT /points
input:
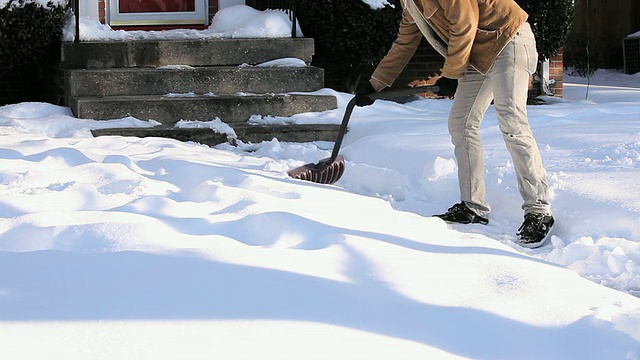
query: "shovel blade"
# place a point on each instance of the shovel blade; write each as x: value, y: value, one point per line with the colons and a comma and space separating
x: 324, y: 172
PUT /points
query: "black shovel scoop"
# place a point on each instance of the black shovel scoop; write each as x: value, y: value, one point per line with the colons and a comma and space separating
x: 329, y: 170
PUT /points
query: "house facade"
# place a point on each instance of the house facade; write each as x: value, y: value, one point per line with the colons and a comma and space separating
x: 197, y: 14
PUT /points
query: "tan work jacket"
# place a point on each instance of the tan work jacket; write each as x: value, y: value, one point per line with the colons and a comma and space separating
x: 465, y: 32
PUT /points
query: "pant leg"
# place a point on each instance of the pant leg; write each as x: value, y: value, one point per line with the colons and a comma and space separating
x: 472, y: 99
x: 510, y: 75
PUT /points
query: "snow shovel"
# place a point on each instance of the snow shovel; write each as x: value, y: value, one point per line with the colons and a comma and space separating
x: 329, y: 170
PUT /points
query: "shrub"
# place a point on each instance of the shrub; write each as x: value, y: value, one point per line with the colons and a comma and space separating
x: 350, y: 37
x: 28, y: 31
x: 575, y: 59
x: 550, y: 21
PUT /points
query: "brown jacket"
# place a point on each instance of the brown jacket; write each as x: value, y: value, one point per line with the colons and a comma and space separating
x: 465, y: 32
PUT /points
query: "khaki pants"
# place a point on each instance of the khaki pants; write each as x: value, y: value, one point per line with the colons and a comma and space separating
x: 507, y: 84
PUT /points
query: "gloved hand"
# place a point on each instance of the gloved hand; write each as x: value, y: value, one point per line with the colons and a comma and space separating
x: 447, y: 86
x: 361, y: 94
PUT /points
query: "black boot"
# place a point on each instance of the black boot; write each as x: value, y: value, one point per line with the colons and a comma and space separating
x: 535, y: 230
x: 460, y: 213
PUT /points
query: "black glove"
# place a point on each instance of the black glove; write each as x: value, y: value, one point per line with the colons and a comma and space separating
x: 447, y: 86
x: 361, y: 94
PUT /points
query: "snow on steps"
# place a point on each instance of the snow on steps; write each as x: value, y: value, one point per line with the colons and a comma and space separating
x: 172, y: 80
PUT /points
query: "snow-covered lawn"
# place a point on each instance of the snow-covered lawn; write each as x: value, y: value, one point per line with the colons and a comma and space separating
x: 129, y: 248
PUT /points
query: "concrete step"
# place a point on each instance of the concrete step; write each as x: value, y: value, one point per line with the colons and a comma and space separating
x: 198, y: 80
x: 216, y: 79
x: 168, y: 110
x: 287, y: 133
x: 245, y: 132
x: 209, y: 52
x: 199, y: 135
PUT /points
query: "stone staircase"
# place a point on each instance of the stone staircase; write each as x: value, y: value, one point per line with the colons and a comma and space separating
x: 172, y: 80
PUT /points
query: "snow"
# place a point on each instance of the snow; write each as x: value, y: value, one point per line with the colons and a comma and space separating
x: 237, y: 21
x: 149, y: 248
x: 253, y: 23
x: 377, y: 4
x: 43, y: 3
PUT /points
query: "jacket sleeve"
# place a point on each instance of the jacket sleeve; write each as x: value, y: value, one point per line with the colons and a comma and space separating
x: 401, y: 51
x: 463, y: 16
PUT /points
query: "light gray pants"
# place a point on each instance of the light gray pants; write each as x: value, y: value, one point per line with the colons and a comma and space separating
x: 507, y: 84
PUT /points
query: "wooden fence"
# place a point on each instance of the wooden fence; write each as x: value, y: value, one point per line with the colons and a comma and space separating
x: 601, y: 25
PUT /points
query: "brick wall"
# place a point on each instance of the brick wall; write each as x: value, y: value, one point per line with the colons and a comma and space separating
x: 213, y: 8
x: 102, y: 8
x: 556, y: 71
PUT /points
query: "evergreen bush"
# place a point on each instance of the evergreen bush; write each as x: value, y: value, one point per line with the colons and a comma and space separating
x: 550, y: 21
x: 28, y: 31
x: 350, y: 37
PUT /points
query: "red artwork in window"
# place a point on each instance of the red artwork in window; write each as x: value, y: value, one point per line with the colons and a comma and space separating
x: 149, y: 6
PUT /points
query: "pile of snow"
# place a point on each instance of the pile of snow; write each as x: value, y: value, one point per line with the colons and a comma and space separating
x: 377, y: 4
x: 128, y: 248
x: 119, y: 247
x: 242, y: 21
x: 238, y: 21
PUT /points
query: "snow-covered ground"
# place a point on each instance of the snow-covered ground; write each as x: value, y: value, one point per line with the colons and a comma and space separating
x: 129, y: 248
x: 117, y: 247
